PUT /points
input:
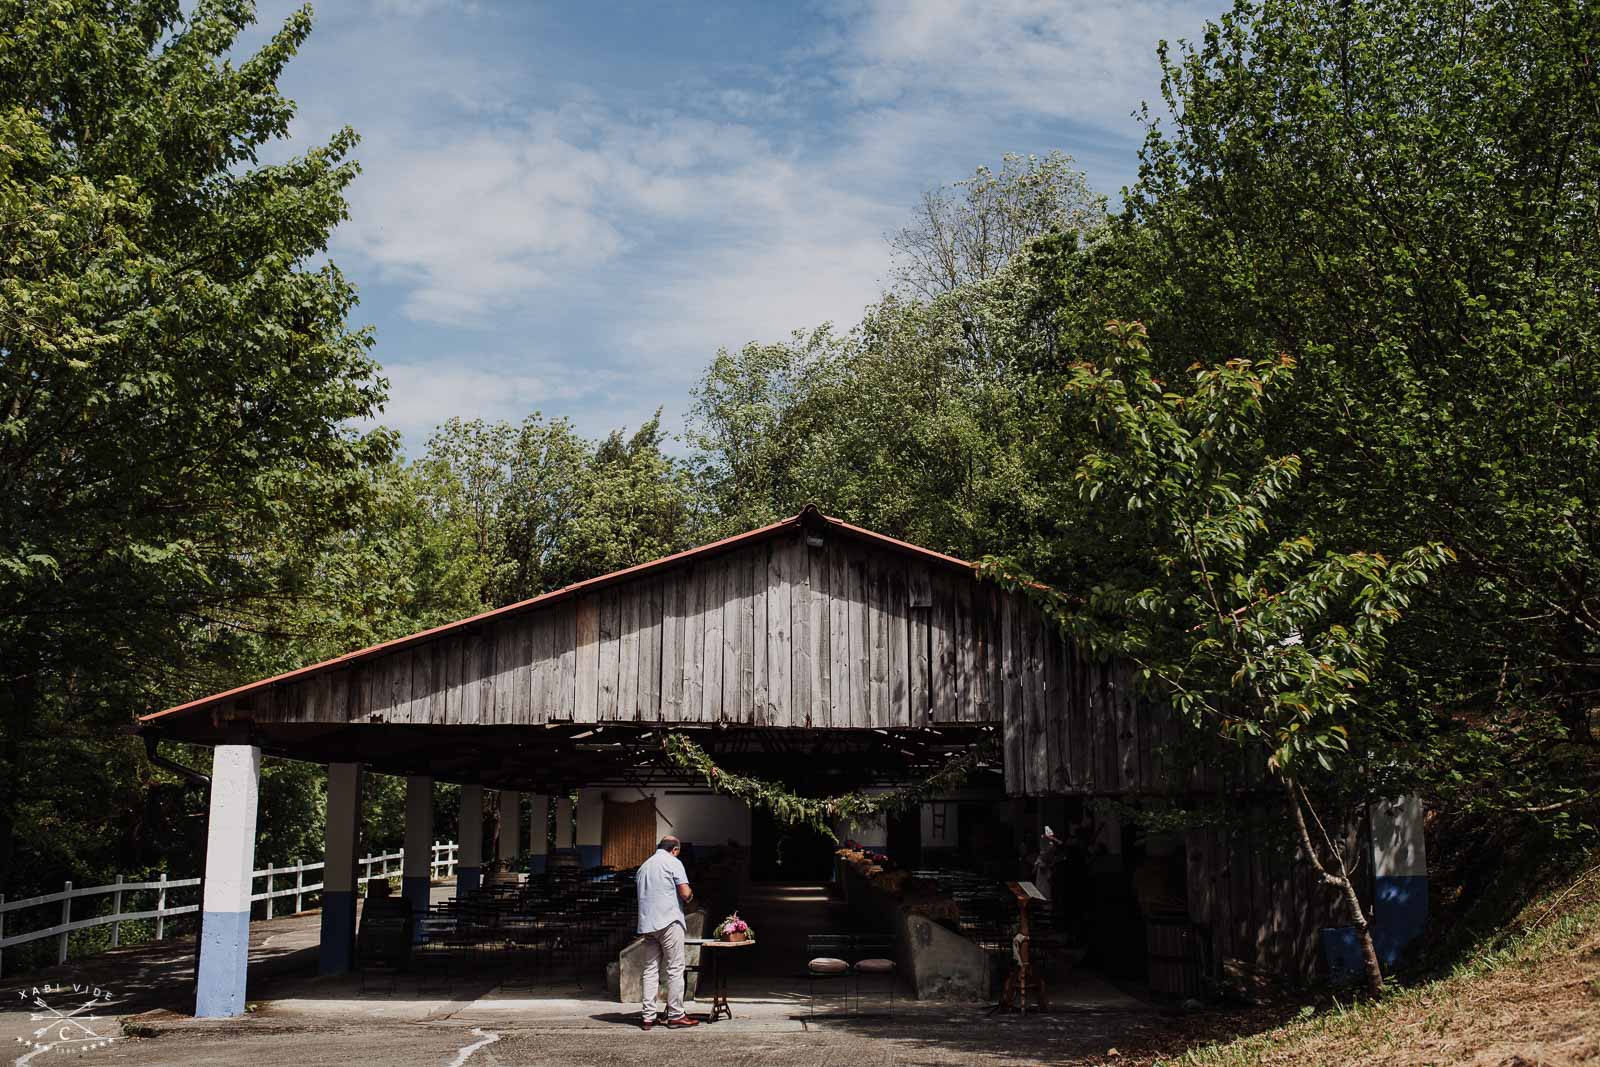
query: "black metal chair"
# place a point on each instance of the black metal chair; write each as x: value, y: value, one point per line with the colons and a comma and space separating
x: 875, y: 957
x: 434, y: 953
x: 827, y: 958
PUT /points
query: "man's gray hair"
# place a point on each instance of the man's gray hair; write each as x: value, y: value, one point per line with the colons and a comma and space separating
x: 668, y: 843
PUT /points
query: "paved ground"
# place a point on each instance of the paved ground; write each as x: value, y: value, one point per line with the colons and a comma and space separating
x: 499, y: 1030
x: 300, y: 1019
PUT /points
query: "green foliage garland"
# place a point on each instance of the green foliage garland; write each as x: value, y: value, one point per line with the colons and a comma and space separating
x: 686, y: 757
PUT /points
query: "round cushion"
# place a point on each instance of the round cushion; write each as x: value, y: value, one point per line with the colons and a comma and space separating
x: 828, y: 965
x: 875, y: 966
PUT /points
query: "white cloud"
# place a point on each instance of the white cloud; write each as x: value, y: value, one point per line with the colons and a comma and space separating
x: 492, y: 220
x: 474, y: 222
x: 1092, y: 61
x: 633, y: 233
x: 424, y: 395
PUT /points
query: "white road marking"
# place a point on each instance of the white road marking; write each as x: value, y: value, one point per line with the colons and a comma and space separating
x: 489, y: 1038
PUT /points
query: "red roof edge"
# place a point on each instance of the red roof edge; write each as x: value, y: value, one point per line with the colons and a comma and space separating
x: 809, y: 515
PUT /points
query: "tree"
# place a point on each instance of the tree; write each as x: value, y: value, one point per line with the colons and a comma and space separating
x: 176, y: 373
x: 972, y: 231
x: 1400, y: 196
x: 892, y: 426
x: 534, y: 507
x: 1248, y: 630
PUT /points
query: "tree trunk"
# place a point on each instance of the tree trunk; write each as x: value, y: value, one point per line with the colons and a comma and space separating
x: 1341, y: 881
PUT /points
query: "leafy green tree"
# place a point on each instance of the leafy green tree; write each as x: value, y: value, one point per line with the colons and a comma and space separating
x: 921, y: 421
x: 972, y: 230
x: 176, y: 371
x: 1400, y: 196
x: 1250, y: 632
x: 892, y: 426
x: 534, y: 507
x: 635, y: 504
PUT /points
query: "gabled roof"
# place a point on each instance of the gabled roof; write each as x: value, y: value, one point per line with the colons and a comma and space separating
x: 809, y: 518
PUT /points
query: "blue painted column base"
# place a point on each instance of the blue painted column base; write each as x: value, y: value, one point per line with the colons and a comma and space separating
x: 414, y: 890
x: 468, y: 879
x: 224, y: 959
x: 589, y: 855
x: 1399, y: 914
x: 337, y: 954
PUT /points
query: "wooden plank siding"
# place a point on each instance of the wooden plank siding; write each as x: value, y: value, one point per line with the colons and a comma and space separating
x: 1256, y: 898
x: 783, y: 632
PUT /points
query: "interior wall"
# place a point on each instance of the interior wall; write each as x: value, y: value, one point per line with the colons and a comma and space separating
x: 700, y: 819
x: 707, y: 820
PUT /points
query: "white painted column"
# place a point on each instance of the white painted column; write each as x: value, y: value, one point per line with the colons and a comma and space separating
x: 538, y: 829
x: 416, y: 869
x: 230, y: 859
x: 337, y: 953
x: 469, y: 860
x: 564, y: 834
x: 1400, y: 876
x: 510, y: 825
x: 591, y: 814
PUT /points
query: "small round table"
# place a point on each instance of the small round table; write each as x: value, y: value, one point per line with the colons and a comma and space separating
x: 718, y: 975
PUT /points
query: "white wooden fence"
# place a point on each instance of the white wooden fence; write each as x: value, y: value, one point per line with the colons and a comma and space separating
x: 443, y: 865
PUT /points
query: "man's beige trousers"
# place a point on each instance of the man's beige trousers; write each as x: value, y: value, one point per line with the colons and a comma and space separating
x: 666, y: 943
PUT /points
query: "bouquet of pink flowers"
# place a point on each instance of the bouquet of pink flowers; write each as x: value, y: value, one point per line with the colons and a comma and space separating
x: 734, y: 928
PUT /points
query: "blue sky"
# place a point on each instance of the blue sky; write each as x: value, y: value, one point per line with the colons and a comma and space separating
x: 570, y: 207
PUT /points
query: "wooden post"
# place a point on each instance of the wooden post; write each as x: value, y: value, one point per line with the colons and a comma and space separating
x: 116, y: 913
x: 66, y: 917
x: 269, y: 890
x: 161, y: 907
x: 299, y: 885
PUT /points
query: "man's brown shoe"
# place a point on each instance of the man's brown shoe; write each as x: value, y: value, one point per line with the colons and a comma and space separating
x: 681, y: 1021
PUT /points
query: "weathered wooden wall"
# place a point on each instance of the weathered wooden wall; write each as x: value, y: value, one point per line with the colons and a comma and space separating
x: 1087, y: 729
x: 1262, y: 902
x: 772, y: 633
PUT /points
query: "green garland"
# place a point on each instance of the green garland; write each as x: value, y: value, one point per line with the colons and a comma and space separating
x: 820, y: 813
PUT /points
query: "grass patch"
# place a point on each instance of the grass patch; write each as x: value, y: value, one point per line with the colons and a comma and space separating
x: 1537, y: 985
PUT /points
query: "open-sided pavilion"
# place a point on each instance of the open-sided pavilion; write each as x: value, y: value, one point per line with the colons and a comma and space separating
x: 809, y: 643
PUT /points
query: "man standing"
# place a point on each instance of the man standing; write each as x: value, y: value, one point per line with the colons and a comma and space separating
x: 663, y: 890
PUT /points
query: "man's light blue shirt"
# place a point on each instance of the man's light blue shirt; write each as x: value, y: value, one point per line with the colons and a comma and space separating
x: 659, y: 879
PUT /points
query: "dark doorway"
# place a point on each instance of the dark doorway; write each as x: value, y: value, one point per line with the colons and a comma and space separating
x: 904, y: 839
x: 780, y: 853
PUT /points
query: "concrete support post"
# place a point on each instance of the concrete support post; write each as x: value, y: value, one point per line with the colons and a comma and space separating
x: 591, y: 813
x: 469, y: 860
x: 230, y: 859
x: 538, y: 831
x: 1400, y: 876
x: 339, y: 889
x: 510, y: 825
x: 416, y: 870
